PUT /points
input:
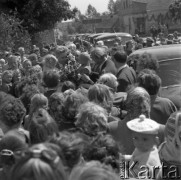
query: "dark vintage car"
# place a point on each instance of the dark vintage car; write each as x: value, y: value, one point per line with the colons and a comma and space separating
x: 169, y: 58
x: 93, y: 36
x: 109, y: 39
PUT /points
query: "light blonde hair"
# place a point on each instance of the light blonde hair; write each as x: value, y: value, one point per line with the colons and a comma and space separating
x: 109, y: 80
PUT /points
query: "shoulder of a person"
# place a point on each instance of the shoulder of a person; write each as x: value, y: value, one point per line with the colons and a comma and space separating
x: 115, y: 125
x: 164, y: 100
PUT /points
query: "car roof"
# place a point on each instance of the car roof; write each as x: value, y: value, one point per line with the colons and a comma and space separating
x: 113, y: 35
x: 164, y: 52
x: 97, y: 34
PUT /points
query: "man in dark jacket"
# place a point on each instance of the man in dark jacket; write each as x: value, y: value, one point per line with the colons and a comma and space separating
x: 125, y: 74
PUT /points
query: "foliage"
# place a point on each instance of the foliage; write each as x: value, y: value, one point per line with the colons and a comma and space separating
x: 91, y: 12
x: 12, y: 34
x: 117, y: 6
x: 40, y: 15
x: 70, y: 71
x: 175, y: 10
x: 111, y: 7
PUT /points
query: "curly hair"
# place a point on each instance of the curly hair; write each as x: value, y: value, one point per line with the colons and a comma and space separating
x: 147, y: 61
x: 72, y: 145
x: 72, y: 104
x: 103, y: 148
x: 50, y: 61
x: 56, y: 103
x: 109, y: 80
x: 138, y: 102
x: 12, y: 112
x: 149, y: 80
x: 91, y: 119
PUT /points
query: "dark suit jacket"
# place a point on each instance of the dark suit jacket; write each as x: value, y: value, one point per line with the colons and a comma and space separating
x: 108, y: 66
x: 125, y: 77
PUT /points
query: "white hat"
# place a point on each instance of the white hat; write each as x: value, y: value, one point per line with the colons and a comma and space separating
x: 143, y: 125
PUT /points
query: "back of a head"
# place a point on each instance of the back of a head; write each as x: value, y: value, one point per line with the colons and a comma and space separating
x: 72, y: 145
x: 13, y: 140
x: 56, y: 103
x: 103, y: 148
x: 39, y: 101
x: 98, y: 52
x: 93, y: 170
x: 149, y: 80
x: 138, y: 102
x: 100, y: 94
x: 67, y: 85
x: 51, y: 78
x: 40, y: 162
x: 120, y: 57
x: 12, y: 112
x: 147, y: 61
x: 91, y: 119
x: 74, y: 100
x: 109, y: 80
x: 42, y: 126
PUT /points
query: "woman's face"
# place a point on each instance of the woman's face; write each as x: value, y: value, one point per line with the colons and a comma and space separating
x: 7, y: 78
x: 13, y: 64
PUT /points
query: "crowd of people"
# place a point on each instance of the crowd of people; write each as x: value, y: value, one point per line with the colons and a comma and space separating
x: 73, y: 113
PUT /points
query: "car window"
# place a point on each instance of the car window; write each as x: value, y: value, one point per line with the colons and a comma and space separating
x: 170, y: 72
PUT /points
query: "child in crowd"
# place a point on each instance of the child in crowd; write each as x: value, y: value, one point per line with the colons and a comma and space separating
x: 37, y: 101
x: 49, y: 62
x: 51, y: 81
x: 6, y: 81
x: 42, y: 126
x: 170, y: 150
x: 145, y: 156
x: 27, y: 65
x: 40, y: 162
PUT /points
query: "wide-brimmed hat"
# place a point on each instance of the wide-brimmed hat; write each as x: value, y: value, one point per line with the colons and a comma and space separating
x: 143, y: 125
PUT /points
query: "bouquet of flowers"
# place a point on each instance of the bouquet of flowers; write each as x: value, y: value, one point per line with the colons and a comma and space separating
x: 70, y: 72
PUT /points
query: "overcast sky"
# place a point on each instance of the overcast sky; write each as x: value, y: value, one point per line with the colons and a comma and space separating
x: 100, y: 5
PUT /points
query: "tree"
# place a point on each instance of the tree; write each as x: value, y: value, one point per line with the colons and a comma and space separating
x: 12, y: 34
x: 117, y: 6
x: 111, y: 7
x: 40, y: 15
x: 91, y: 12
x: 175, y: 10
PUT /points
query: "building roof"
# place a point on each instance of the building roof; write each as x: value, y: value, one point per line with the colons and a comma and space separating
x: 140, y: 1
x: 157, y: 5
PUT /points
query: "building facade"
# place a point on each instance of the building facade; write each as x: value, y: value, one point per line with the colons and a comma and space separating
x: 139, y: 15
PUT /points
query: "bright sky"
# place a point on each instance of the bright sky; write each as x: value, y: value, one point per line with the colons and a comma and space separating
x: 100, y: 5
